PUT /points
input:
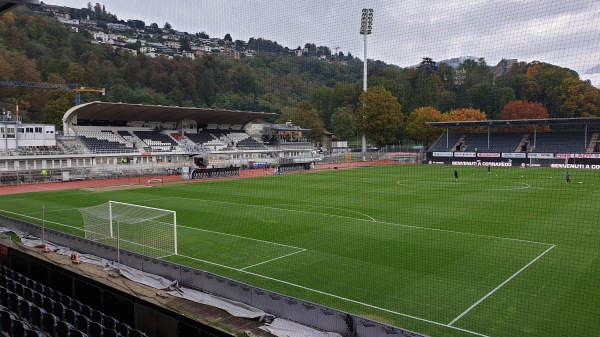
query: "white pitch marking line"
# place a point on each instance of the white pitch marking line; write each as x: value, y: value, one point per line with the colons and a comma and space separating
x: 31, y: 217
x: 500, y: 286
x: 338, y: 297
x: 358, y: 219
x: 277, y: 258
x: 239, y: 237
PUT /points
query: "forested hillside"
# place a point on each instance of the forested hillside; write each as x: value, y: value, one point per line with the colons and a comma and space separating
x: 314, y: 92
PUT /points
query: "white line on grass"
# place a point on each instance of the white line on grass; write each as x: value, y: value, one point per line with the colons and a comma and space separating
x: 52, y: 222
x: 277, y: 258
x: 500, y: 286
x: 357, y: 219
x: 336, y: 296
x: 239, y: 237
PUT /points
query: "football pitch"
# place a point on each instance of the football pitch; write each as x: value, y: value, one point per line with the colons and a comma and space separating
x: 513, y: 252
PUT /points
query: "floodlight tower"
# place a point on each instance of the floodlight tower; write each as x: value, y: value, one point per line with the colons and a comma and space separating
x: 366, y: 24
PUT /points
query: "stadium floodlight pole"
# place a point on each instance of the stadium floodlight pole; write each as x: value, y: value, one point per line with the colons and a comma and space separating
x: 366, y: 24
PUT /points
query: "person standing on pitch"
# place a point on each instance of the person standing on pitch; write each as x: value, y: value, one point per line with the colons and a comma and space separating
x: 456, y: 175
x: 568, y: 176
x: 489, y: 168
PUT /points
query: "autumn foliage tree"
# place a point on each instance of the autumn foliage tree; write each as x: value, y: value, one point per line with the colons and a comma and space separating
x: 466, y: 114
x: 378, y: 116
x: 421, y: 132
x: 524, y: 110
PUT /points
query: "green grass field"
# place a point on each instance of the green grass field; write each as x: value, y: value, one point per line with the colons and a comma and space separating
x: 514, y: 252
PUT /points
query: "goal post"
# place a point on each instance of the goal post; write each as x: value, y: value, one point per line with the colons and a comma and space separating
x: 546, y: 161
x: 147, y: 230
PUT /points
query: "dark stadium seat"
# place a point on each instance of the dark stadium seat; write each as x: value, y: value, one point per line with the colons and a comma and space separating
x: 49, y: 323
x: 82, y: 323
x: 123, y: 329
x: 96, y: 316
x: 35, y: 333
x: 85, y: 310
x: 4, y: 296
x: 76, y: 305
x: 58, y: 310
x: 136, y: 333
x: 70, y: 316
x: 13, y: 302
x: 47, y: 304
x: 6, y: 319
x: 24, y: 309
x: 37, y: 299
x: 63, y: 328
x: 10, y: 284
x: 95, y: 329
x: 39, y: 287
x: 109, y: 322
x: 36, y: 316
x: 19, y: 327
x: 19, y: 289
x: 65, y: 300
x: 56, y: 296
x: 111, y: 333
x: 28, y: 294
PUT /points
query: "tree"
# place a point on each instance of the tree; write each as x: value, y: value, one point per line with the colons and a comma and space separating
x: 466, y: 114
x: 55, y: 109
x: 341, y: 123
x: 228, y: 38
x: 523, y: 110
x: 167, y: 26
x: 579, y: 99
x: 421, y: 132
x: 379, y: 116
x: 303, y: 116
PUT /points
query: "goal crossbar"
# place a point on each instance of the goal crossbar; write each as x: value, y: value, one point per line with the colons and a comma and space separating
x: 150, y: 230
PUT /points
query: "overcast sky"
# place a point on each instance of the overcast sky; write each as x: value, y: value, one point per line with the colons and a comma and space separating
x: 561, y: 32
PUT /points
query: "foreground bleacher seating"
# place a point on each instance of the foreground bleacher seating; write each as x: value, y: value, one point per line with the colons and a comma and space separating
x: 29, y: 308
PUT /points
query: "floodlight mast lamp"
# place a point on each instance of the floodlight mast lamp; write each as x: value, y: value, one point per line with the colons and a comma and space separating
x: 366, y: 24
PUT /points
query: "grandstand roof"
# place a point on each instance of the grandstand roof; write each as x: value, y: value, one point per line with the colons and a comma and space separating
x: 519, y: 122
x: 6, y: 5
x: 138, y: 112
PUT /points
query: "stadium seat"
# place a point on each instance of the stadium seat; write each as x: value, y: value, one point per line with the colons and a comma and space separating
x: 47, y: 304
x: 65, y: 300
x: 82, y: 323
x: 111, y: 333
x: 109, y: 322
x: 28, y: 294
x: 39, y: 288
x: 85, y: 310
x: 24, y: 309
x: 37, y: 299
x: 76, y: 305
x: 56, y: 296
x: 97, y: 316
x: 4, y: 296
x: 77, y: 333
x: 123, y: 329
x: 49, y: 323
x: 63, y: 328
x: 6, y: 319
x: 19, y: 327
x: 13, y: 302
x: 95, y: 329
x: 35, y: 333
x: 58, y: 310
x: 136, y: 333
x: 70, y: 316
x: 36, y: 316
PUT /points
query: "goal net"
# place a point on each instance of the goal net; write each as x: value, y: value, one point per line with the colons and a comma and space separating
x: 146, y: 230
x: 546, y: 161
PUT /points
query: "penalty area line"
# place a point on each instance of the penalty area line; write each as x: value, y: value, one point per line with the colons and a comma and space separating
x: 271, y: 260
x: 337, y: 296
x: 499, y: 286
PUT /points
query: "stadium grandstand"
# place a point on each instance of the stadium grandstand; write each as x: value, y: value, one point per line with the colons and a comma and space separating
x: 115, y: 139
x: 559, y: 142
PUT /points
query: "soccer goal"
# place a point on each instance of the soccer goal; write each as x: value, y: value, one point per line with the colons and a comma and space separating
x: 546, y: 162
x: 146, y: 230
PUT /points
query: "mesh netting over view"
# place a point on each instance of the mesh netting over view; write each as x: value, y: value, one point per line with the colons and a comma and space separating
x: 145, y: 230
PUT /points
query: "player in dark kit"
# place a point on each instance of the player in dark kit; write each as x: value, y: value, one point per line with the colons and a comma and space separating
x: 455, y: 175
